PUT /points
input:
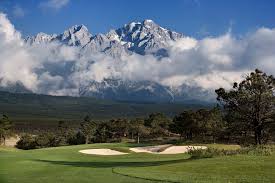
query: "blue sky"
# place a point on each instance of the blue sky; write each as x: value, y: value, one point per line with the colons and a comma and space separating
x: 198, y: 18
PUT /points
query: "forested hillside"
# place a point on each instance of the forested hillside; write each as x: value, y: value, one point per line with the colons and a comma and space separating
x: 45, y: 110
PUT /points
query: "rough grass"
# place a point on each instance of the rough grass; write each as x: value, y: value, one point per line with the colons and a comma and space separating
x: 66, y: 164
x: 224, y: 146
x: 213, y: 152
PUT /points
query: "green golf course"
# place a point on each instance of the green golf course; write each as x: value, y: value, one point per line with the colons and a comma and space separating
x: 66, y: 164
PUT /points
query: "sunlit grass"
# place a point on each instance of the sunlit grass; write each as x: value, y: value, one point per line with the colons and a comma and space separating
x: 66, y: 164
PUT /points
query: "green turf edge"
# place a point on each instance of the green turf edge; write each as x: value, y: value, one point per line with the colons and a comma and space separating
x: 142, y: 178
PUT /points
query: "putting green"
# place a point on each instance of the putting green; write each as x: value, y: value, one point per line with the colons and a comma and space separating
x: 66, y: 164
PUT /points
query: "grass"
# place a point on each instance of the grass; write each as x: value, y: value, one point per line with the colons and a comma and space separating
x: 66, y: 164
x: 224, y: 146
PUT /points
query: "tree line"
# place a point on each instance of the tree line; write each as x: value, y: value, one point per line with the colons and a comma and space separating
x: 244, y: 114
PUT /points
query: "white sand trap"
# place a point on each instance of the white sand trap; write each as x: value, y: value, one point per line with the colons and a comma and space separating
x: 180, y: 149
x: 150, y: 149
x: 105, y: 152
x: 166, y: 149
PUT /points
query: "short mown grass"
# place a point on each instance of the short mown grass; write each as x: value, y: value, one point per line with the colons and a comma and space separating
x: 66, y: 164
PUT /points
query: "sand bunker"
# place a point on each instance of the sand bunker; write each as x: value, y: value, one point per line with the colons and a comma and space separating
x: 166, y: 149
x: 160, y: 149
x: 150, y: 149
x: 105, y: 152
x: 180, y: 149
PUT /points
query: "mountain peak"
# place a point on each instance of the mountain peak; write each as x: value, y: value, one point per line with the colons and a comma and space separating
x: 148, y: 22
x: 77, y: 35
x: 76, y: 28
x: 40, y: 38
x: 144, y: 37
x: 80, y: 29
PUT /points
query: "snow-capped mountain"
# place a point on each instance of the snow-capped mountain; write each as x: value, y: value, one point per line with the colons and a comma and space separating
x: 141, y: 91
x: 139, y: 37
x: 77, y: 35
x: 145, y: 37
x: 142, y: 38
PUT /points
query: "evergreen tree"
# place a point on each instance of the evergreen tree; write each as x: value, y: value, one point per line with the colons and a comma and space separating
x: 250, y: 104
x: 5, y: 128
x: 88, y: 128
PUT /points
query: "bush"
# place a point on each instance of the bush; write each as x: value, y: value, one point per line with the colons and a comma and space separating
x: 257, y: 150
x: 26, y: 142
x: 76, y: 138
x: 47, y: 140
x: 212, y: 152
x: 204, y: 153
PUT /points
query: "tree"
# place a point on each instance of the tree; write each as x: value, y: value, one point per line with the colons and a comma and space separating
x: 47, y: 139
x: 250, y: 104
x: 75, y: 138
x: 185, y: 124
x: 214, y: 125
x: 103, y: 132
x: 138, y: 128
x: 119, y: 127
x: 88, y: 128
x: 202, y: 119
x: 63, y: 132
x: 5, y: 128
x: 200, y: 123
x: 26, y: 142
x: 159, y: 124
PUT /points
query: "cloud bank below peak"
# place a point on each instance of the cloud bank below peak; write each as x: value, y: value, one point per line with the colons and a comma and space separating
x: 58, y: 69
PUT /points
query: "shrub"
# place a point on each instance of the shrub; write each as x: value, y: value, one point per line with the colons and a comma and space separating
x: 76, y: 138
x: 26, y: 142
x: 257, y: 150
x: 212, y: 152
x: 203, y: 153
x: 47, y: 140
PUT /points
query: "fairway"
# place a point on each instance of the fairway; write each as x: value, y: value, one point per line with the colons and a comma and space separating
x: 66, y: 164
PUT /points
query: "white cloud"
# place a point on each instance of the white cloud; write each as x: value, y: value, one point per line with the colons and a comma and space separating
x: 208, y: 63
x: 7, y: 31
x: 16, y: 63
x: 26, y: 65
x: 54, y: 4
x: 182, y: 44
